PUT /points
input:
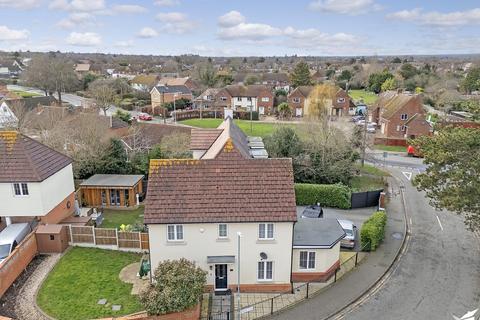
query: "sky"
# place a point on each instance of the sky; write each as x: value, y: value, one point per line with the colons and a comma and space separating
x: 242, y: 27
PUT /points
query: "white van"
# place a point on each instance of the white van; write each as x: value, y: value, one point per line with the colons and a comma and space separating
x: 350, y: 231
x: 10, y: 237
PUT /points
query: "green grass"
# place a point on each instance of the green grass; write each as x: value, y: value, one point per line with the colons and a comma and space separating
x: 260, y: 129
x: 390, y: 148
x: 366, y: 183
x: 115, y: 218
x: 371, y: 170
x: 362, y: 95
x: 25, y: 94
x: 81, y: 278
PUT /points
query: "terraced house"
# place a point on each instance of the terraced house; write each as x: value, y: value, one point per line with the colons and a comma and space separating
x: 200, y: 209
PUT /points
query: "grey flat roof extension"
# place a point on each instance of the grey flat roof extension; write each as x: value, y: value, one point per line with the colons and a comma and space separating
x: 317, y: 233
x: 112, y: 180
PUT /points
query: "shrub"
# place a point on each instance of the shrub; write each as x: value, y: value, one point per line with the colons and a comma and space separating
x: 178, y: 285
x: 328, y: 195
x: 373, y: 231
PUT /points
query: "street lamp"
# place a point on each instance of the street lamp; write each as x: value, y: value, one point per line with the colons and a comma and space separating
x: 239, y: 235
x: 174, y: 107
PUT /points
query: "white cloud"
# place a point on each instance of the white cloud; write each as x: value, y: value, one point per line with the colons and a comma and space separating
x: 350, y: 7
x: 19, y: 4
x: 87, y: 39
x: 7, y: 34
x: 230, y: 19
x: 249, y: 31
x: 438, y: 19
x: 167, y: 3
x: 78, y: 5
x: 176, y: 22
x: 124, y: 44
x: 79, y: 19
x: 313, y: 38
x: 147, y: 33
x: 128, y: 8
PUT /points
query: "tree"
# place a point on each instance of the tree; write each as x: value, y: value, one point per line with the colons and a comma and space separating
x: 224, y: 79
x: 389, y: 84
x: 87, y: 79
x: 114, y: 161
x: 453, y: 167
x: 251, y: 80
x: 140, y: 161
x: 320, y: 101
x: 346, y: 75
x: 177, y: 286
x: 396, y: 60
x: 284, y: 111
x: 176, y: 146
x: 301, y: 75
x: 408, y: 71
x: 206, y: 75
x: 375, y: 80
x: 123, y: 115
x: 103, y: 93
x: 472, y: 81
x: 284, y: 143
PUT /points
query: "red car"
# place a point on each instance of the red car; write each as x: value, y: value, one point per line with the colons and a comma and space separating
x: 145, y: 117
x: 412, y: 152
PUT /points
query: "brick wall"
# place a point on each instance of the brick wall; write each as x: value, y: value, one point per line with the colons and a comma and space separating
x: 315, y: 276
x: 61, y: 211
x: 190, y: 314
x: 18, y: 260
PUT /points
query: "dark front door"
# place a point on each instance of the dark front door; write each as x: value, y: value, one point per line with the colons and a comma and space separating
x: 221, y: 277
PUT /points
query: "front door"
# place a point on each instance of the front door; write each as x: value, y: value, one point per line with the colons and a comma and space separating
x: 261, y: 110
x: 221, y: 282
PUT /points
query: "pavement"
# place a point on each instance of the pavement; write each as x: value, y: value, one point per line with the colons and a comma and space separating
x: 353, y: 285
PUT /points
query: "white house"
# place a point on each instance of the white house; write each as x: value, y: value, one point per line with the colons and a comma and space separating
x: 35, y: 181
x: 7, y: 117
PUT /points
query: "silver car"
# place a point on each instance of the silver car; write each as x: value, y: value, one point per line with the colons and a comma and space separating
x: 351, y: 234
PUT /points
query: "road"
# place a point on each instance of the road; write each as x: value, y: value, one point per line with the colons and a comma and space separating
x: 439, y: 275
x: 68, y: 97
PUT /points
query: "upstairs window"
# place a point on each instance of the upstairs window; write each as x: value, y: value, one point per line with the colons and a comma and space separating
x: 239, y: 98
x: 296, y: 100
x: 341, y: 100
x: 20, y: 189
x: 265, y: 99
x: 404, y: 116
x: 223, y: 98
x: 222, y: 230
x: 265, y: 231
x: 175, y: 232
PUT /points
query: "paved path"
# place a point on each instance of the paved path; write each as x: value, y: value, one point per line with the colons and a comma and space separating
x: 351, y: 286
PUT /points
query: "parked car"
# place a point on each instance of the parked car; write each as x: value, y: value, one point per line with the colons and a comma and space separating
x: 10, y: 237
x: 357, y: 118
x: 145, y: 117
x: 314, y: 211
x: 351, y: 234
x: 413, y: 152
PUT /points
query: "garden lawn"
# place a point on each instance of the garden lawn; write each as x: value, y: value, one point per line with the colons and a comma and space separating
x: 25, y: 94
x: 260, y: 129
x: 366, y: 183
x: 371, y: 170
x: 390, y: 148
x: 366, y: 96
x: 114, y: 218
x: 81, y: 278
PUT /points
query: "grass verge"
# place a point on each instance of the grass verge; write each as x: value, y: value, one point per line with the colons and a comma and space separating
x: 390, y: 148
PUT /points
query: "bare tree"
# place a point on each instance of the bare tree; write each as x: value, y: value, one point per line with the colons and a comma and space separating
x: 104, y: 94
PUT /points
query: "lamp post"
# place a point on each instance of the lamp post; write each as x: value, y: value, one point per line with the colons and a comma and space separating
x: 239, y: 235
x: 174, y: 107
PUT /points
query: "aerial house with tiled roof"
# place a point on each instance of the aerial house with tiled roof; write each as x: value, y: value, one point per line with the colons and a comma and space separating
x: 36, y: 182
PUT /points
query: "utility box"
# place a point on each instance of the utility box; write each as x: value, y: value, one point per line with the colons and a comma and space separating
x: 51, y: 238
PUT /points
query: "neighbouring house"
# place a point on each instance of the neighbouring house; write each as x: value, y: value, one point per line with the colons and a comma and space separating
x: 340, y: 105
x: 13, y: 109
x: 171, y: 81
x: 401, y: 116
x: 254, y: 97
x: 36, y: 182
x: 166, y: 94
x: 298, y: 100
x: 144, y: 82
x: 213, y: 99
x: 199, y: 209
x: 82, y: 68
x: 276, y: 80
x: 112, y: 190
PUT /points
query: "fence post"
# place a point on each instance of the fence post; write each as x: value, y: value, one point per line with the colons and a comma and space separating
x: 308, y: 286
x: 139, y: 240
x: 93, y: 232
x: 356, y: 259
x: 71, y: 234
x: 335, y: 280
x: 116, y: 235
x: 271, y: 306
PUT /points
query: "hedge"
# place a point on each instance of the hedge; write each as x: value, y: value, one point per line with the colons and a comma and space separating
x: 328, y: 195
x: 373, y: 231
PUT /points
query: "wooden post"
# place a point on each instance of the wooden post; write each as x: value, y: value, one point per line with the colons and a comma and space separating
x: 139, y: 240
x: 93, y: 232
x: 71, y: 234
x: 116, y: 235
x: 271, y: 306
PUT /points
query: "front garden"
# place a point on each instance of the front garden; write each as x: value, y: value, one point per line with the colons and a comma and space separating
x: 83, y: 277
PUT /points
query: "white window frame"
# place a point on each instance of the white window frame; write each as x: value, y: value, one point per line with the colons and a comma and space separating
x: 308, y: 261
x: 404, y: 116
x: 176, y: 233
x: 341, y: 100
x: 226, y: 231
x: 21, y: 186
x: 239, y: 98
x: 265, y: 228
x: 263, y: 266
x: 265, y: 99
x: 296, y: 100
x: 403, y: 128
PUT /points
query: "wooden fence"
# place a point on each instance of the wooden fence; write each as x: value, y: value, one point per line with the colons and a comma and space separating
x: 108, y: 238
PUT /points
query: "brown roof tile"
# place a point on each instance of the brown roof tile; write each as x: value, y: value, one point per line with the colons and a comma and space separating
x: 202, y: 139
x: 23, y: 159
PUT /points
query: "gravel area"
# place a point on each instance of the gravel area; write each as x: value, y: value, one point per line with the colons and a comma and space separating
x: 19, y: 301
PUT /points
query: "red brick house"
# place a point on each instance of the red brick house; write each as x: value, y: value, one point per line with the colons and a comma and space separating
x: 298, y: 102
x: 256, y: 97
x: 342, y: 105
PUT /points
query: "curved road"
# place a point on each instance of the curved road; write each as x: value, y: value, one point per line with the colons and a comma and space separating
x: 439, y: 275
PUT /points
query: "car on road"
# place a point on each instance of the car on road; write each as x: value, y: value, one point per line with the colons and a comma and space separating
x: 145, y: 117
x: 351, y: 234
x: 10, y: 237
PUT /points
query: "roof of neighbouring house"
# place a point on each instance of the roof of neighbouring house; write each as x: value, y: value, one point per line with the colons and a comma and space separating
x: 82, y: 67
x: 112, y: 180
x: 168, y: 81
x: 23, y: 159
x: 253, y: 90
x: 392, y: 105
x: 304, y: 90
x: 152, y: 133
x: 145, y: 79
x: 317, y: 233
x: 173, y: 89
x: 226, y: 189
x: 202, y: 139
x: 275, y: 76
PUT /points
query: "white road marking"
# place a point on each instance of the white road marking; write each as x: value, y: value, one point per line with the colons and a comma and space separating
x: 411, y: 221
x: 407, y: 175
x: 438, y: 219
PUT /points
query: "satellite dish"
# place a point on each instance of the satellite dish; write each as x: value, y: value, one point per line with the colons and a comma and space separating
x: 263, y: 255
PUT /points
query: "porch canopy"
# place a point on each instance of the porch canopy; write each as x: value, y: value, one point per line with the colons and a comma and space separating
x: 220, y: 259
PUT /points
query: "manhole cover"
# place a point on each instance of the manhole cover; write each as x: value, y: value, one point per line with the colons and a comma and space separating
x: 397, y: 235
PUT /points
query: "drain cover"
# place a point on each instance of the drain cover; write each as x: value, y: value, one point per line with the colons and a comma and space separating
x: 397, y: 235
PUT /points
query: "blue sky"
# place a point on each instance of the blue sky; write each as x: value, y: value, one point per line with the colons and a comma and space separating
x: 242, y: 27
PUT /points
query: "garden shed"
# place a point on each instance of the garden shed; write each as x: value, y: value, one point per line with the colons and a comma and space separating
x: 51, y: 238
x: 112, y: 190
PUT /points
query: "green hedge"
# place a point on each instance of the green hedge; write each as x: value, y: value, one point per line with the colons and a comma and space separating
x: 328, y: 195
x: 373, y: 231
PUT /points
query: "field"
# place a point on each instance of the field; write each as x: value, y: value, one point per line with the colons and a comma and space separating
x: 362, y: 95
x: 81, y: 278
x: 251, y: 128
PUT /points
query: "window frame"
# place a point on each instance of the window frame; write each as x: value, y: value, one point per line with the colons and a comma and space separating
x: 264, y: 270
x: 176, y: 232
x: 226, y: 231
x: 265, y: 99
x: 22, y: 188
x: 341, y: 100
x: 404, y: 116
x: 266, y: 230
x: 308, y: 261
x: 296, y: 100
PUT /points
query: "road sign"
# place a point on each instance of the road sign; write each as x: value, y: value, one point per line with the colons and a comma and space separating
x: 407, y: 175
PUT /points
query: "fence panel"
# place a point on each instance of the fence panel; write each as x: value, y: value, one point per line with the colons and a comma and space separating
x: 82, y: 234
x: 145, y: 245
x: 365, y: 199
x: 129, y: 240
x: 105, y: 236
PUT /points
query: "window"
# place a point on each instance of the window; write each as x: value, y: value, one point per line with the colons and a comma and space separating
x: 249, y: 98
x: 403, y: 128
x: 296, y: 100
x: 265, y: 270
x: 20, y: 189
x: 265, y: 231
x: 222, y: 230
x: 341, y: 100
x: 175, y: 232
x: 52, y: 237
x: 239, y: 98
x: 223, y: 98
x: 265, y: 99
x: 404, y: 116
x: 307, y: 260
